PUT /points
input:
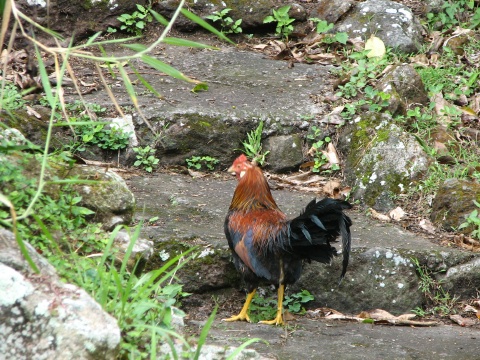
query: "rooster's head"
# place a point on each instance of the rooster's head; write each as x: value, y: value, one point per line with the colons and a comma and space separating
x: 240, y: 166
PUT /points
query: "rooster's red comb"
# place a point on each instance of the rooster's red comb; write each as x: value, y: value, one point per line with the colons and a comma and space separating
x: 241, y: 159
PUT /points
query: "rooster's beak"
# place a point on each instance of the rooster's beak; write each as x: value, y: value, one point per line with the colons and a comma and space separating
x: 231, y: 171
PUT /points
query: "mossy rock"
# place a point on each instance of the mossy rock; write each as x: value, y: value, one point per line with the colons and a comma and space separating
x: 453, y: 203
x: 209, y: 270
x: 382, y: 160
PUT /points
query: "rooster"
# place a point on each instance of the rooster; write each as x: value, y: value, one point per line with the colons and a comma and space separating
x: 268, y: 248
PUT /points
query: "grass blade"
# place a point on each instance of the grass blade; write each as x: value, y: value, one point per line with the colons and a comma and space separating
x: 135, y: 47
x: 166, y: 69
x: 187, y: 43
x: 145, y: 82
x: 18, y: 237
x: 159, y: 17
x: 92, y: 39
x: 191, y: 16
x: 239, y: 349
x: 204, y: 333
x: 128, y: 86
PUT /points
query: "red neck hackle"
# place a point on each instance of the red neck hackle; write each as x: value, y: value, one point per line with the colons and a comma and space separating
x: 253, y: 191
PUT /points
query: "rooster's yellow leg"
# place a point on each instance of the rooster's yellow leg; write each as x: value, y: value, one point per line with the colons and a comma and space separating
x: 243, y: 313
x: 278, y: 319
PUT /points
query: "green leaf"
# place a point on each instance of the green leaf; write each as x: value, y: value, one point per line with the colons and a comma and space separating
x: 187, y: 43
x: 200, y: 87
x: 165, y: 68
x: 135, y: 47
x: 128, y: 86
x: 204, y: 333
x: 146, y: 84
x: 268, y: 19
x: 159, y: 17
x: 191, y: 16
x: 341, y: 37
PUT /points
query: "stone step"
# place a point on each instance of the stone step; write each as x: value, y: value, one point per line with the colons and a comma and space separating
x: 382, y: 272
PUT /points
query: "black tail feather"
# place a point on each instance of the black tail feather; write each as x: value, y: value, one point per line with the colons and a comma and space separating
x: 319, y: 225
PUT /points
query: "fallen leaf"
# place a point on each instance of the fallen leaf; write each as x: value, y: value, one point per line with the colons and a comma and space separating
x: 378, y: 314
x: 358, y: 43
x: 259, y: 46
x: 469, y: 308
x: 420, y: 59
x: 196, y: 174
x: 427, y: 225
x: 397, y: 213
x: 32, y: 112
x: 462, y: 321
x: 333, y: 119
x: 441, y: 106
x: 345, y: 191
x: 379, y: 216
x: 447, y: 160
x: 288, y: 316
x: 87, y: 84
x: 331, y: 154
x: 337, y: 110
x: 376, y: 47
x: 440, y: 147
x: 332, y: 188
x: 406, y: 316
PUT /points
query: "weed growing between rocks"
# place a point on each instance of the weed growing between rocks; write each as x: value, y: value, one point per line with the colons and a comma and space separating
x: 263, y: 308
x: 252, y: 146
x: 439, y: 301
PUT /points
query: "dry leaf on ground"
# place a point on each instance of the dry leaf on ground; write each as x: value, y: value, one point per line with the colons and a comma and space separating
x: 397, y: 214
x: 379, y: 216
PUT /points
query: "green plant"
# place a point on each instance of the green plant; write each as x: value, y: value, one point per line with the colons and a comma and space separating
x: 108, y: 137
x: 135, y: 22
x: 363, y: 71
x: 294, y: 302
x: 145, y: 158
x: 439, y: 301
x: 283, y: 20
x: 322, y: 26
x: 253, y: 145
x: 473, y: 220
x: 197, y: 162
x: 319, y: 158
x: 228, y: 26
x: 455, y: 13
x: 11, y: 98
x: 263, y: 308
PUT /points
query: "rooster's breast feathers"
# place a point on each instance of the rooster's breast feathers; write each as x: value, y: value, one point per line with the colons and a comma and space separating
x: 255, y: 236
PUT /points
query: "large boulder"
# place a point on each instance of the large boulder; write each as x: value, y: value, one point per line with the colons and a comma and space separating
x: 405, y: 88
x: 41, y: 317
x: 331, y: 10
x: 108, y: 196
x: 381, y: 160
x: 286, y: 150
x: 77, y: 18
x: 392, y: 22
x: 453, y: 203
x: 251, y: 12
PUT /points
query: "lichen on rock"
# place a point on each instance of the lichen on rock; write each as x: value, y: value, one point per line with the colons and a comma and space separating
x: 382, y: 160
